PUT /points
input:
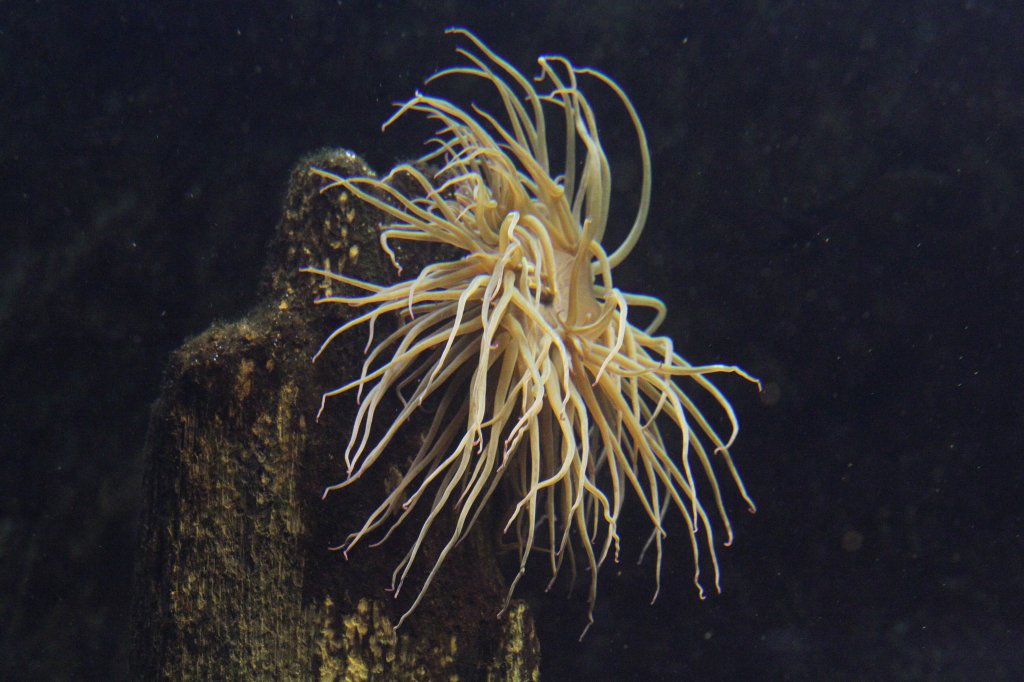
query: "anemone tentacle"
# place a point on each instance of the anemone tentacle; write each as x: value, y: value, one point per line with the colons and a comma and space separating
x: 522, y: 345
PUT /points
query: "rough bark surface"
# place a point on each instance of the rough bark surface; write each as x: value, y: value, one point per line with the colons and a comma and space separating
x: 235, y: 580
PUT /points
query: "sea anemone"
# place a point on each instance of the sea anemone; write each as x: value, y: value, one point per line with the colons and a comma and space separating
x: 520, y: 345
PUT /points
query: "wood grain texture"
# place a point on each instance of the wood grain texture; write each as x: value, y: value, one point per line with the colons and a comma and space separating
x: 235, y: 580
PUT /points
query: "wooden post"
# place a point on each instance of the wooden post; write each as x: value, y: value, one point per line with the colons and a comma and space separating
x: 235, y: 578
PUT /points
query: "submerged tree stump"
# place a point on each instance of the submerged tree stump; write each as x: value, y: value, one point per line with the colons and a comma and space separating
x: 235, y: 578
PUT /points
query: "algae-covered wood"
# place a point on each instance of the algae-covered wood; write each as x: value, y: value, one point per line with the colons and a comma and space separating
x: 235, y: 578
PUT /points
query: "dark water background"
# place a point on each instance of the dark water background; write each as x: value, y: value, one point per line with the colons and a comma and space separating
x: 838, y: 200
